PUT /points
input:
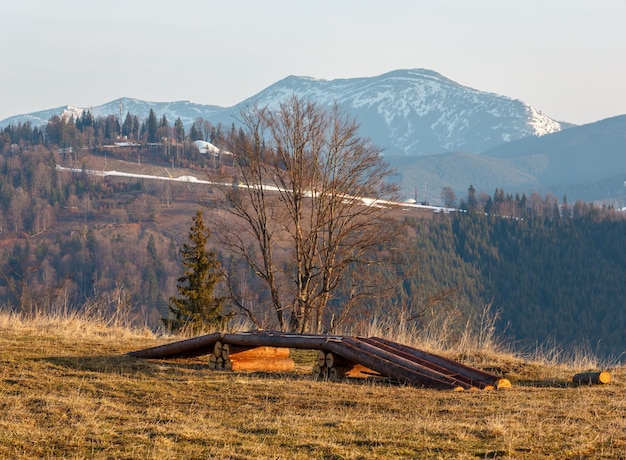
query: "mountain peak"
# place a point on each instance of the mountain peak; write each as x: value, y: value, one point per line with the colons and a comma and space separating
x: 418, y: 111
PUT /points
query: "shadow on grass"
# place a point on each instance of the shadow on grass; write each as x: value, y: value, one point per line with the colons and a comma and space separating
x: 130, y: 366
x: 127, y: 365
x: 550, y: 383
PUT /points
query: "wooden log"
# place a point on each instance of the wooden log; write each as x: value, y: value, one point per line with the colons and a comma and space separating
x: 233, y: 352
x: 471, y: 375
x: 217, y: 348
x: 393, y: 370
x: 226, y: 350
x: 189, y: 348
x: 280, y: 339
x: 589, y: 378
x: 419, y: 374
x: 212, y: 362
x: 263, y: 365
x: 321, y: 358
x: 317, y: 372
x: 333, y: 360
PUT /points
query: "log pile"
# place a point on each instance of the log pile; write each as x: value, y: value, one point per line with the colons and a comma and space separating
x: 235, y: 358
x: 339, y: 357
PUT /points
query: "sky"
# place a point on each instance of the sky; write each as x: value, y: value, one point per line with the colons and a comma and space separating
x: 566, y: 58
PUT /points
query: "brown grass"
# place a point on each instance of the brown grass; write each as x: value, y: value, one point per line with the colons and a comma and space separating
x: 68, y: 391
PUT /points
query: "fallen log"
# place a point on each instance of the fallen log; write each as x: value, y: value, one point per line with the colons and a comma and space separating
x: 189, y: 348
x: 333, y: 360
x: 589, y: 378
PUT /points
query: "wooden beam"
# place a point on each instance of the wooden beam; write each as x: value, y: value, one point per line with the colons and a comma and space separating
x: 189, y: 348
x: 280, y: 339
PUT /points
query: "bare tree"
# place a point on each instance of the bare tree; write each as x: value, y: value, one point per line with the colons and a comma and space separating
x: 305, y: 208
x: 448, y: 196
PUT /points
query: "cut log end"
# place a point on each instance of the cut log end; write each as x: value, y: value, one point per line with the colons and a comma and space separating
x: 217, y: 348
x: 502, y: 384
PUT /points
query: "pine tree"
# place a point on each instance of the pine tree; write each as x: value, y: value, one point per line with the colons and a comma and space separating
x: 152, y: 126
x: 179, y: 130
x: 197, y: 307
x: 127, y: 127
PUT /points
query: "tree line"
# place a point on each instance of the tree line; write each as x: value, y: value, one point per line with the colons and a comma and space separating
x: 89, y: 131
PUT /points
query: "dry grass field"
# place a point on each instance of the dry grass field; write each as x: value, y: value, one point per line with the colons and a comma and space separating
x: 67, y: 390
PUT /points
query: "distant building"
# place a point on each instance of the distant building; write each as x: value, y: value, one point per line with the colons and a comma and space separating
x: 207, y: 147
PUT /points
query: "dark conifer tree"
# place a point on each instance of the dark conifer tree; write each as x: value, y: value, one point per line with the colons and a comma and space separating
x: 179, y: 130
x: 127, y: 127
x: 152, y: 127
x: 197, y: 307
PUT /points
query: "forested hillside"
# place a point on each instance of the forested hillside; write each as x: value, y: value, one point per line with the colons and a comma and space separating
x: 557, y: 282
x: 554, y: 271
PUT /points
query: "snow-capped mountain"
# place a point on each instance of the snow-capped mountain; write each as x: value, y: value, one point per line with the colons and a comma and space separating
x: 409, y: 112
x: 418, y: 112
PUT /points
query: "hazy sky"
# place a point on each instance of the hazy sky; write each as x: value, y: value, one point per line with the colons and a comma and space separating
x: 565, y: 57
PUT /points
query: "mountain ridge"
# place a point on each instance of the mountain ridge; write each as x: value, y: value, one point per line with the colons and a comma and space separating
x: 418, y: 115
x: 407, y: 111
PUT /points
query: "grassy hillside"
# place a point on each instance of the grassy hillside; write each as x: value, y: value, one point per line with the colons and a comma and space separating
x: 67, y: 390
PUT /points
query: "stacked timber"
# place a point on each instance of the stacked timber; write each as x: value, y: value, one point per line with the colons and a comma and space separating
x: 230, y: 357
x: 333, y: 367
x: 339, y: 357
